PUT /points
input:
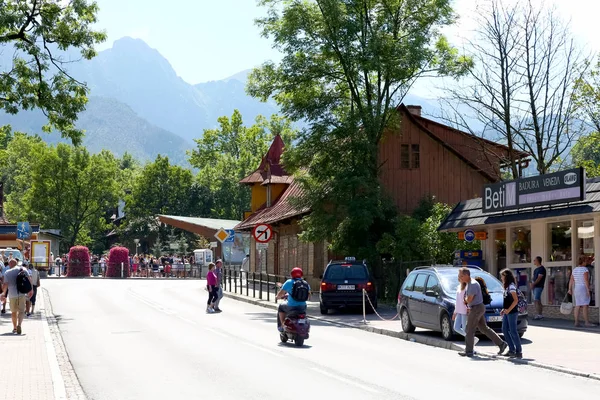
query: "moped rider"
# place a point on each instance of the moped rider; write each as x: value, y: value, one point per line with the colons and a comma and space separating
x: 293, y: 305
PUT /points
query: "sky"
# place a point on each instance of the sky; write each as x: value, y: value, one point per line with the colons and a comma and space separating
x: 213, y: 39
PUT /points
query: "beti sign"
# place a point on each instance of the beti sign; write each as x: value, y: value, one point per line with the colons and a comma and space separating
x: 558, y: 187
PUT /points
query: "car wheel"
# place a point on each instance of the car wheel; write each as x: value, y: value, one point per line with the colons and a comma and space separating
x: 446, y: 327
x: 283, y: 338
x: 323, y: 309
x: 407, y: 326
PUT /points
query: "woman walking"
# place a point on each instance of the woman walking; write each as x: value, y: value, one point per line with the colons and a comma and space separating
x: 579, y: 288
x: 460, y: 312
x: 510, y: 314
x: 213, y: 290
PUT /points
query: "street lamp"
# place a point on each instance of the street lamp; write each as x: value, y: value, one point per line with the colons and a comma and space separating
x: 137, y: 243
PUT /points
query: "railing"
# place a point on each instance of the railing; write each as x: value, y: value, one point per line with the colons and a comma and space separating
x: 178, y: 271
x: 259, y: 285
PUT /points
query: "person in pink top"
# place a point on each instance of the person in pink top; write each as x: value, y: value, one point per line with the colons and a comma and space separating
x: 213, y: 290
x: 460, y: 312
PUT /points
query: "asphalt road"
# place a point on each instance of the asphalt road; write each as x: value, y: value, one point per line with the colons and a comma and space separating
x: 138, y: 339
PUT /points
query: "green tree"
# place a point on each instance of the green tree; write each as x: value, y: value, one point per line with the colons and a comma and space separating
x: 162, y: 188
x: 68, y: 188
x: 586, y: 153
x: 346, y: 67
x: 231, y: 152
x: 39, y: 30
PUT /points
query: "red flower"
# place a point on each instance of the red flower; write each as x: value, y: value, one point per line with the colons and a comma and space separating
x: 116, y: 257
x: 79, y: 262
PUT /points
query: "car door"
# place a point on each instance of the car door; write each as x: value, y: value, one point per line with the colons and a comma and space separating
x: 430, y: 307
x: 416, y: 297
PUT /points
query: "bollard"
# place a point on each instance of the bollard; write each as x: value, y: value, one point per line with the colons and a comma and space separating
x: 121, y: 270
x: 268, y: 288
x: 260, y: 286
x: 253, y: 284
x: 364, y: 321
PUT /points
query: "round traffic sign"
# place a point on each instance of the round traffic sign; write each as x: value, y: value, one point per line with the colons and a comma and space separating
x: 469, y: 236
x: 262, y: 233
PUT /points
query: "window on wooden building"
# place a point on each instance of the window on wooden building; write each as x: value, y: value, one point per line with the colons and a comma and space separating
x: 410, y: 156
x: 404, y: 156
x: 415, y: 157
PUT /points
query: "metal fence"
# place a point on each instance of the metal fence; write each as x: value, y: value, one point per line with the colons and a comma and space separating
x: 259, y: 285
x: 182, y: 271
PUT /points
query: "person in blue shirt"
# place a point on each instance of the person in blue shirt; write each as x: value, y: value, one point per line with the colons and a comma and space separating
x: 292, y: 304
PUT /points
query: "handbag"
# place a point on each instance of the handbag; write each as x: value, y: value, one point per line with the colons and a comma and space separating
x: 566, y: 307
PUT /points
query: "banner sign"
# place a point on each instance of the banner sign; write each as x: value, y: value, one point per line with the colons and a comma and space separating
x: 558, y: 187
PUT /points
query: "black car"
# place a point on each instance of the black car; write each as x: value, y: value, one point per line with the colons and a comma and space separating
x: 342, y: 285
x: 428, y: 297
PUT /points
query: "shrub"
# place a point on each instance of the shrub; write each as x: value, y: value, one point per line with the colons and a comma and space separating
x: 79, y: 262
x: 117, y: 256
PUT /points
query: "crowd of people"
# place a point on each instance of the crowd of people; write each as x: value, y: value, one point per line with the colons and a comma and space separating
x: 20, y: 283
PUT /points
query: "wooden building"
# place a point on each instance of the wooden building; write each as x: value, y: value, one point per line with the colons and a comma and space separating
x: 425, y: 158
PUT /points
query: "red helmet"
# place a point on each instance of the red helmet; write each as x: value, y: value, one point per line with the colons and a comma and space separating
x: 297, y: 273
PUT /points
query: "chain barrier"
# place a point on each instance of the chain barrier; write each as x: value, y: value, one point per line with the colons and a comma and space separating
x: 374, y: 310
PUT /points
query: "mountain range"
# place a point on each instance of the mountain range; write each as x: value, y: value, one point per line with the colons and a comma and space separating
x: 139, y: 104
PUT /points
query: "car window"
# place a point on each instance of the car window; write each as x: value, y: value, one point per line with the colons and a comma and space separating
x: 346, y: 271
x: 450, y: 282
x: 420, y: 283
x: 433, y: 284
x: 409, y: 282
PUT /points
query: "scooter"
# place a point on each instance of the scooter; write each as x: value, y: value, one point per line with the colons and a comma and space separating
x: 296, y: 328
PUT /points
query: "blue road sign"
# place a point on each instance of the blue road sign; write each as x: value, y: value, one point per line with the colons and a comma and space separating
x: 231, y: 237
x: 23, y: 230
x: 469, y: 236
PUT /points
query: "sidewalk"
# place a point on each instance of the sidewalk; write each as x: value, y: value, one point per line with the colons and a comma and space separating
x: 551, y: 344
x: 28, y: 371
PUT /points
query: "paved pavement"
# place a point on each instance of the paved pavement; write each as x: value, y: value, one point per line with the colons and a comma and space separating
x: 134, y: 339
x: 28, y: 369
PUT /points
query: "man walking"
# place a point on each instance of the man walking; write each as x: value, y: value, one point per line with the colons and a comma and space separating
x: 537, y: 286
x: 476, y: 315
x: 35, y: 283
x: 17, y: 299
x: 219, y: 273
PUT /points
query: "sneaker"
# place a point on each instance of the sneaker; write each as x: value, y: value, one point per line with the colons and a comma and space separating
x: 210, y: 310
x: 14, y: 331
x: 465, y: 354
x: 280, y: 328
x: 511, y: 354
x: 19, y: 330
x: 217, y: 309
x: 519, y: 356
x: 502, y: 347
x: 475, y: 341
x: 28, y: 314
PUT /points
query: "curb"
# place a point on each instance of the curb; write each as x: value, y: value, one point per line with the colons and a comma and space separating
x: 423, y: 340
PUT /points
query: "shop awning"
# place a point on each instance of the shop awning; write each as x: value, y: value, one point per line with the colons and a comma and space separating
x: 206, y: 227
x: 470, y: 214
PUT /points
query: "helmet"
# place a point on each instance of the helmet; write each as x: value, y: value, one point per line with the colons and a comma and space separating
x: 297, y: 273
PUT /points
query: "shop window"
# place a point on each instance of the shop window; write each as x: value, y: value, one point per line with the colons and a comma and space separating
x: 522, y: 276
x: 559, y: 235
x: 415, y: 156
x: 521, y: 245
x: 557, y: 283
x: 500, y: 243
x: 404, y: 156
x: 585, y: 238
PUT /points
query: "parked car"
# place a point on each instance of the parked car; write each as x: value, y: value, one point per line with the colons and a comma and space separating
x: 428, y: 297
x: 342, y: 285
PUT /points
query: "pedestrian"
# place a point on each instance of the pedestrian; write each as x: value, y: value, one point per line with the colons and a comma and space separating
x: 510, y: 314
x: 35, y: 283
x: 537, y: 286
x: 476, y: 315
x: 17, y: 299
x: 460, y: 312
x: 579, y: 288
x: 211, y: 285
x: 219, y: 274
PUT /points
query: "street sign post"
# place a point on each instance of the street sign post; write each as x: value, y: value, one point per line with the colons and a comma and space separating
x: 213, y: 245
x: 222, y: 235
x: 23, y: 230
x: 262, y: 246
x: 469, y: 236
x: 262, y: 233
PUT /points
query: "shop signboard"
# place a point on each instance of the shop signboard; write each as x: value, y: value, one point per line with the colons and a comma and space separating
x: 558, y: 187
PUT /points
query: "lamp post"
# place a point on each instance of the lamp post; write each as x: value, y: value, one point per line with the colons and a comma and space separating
x: 137, y: 243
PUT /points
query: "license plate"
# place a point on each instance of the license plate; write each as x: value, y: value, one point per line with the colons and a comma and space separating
x: 345, y: 287
x: 495, y: 318
x: 301, y: 321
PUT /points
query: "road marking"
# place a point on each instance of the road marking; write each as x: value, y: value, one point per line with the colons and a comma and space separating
x: 257, y: 347
x: 348, y: 381
x: 189, y: 321
x: 58, y: 383
x: 152, y: 304
x: 218, y: 333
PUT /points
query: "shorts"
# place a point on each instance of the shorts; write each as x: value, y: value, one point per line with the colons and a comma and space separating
x: 34, y: 295
x: 17, y: 303
x: 537, y: 293
x: 287, y: 309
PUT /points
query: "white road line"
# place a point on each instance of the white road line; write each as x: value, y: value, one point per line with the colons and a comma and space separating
x: 152, y: 304
x: 189, y: 321
x: 257, y: 347
x: 218, y: 333
x: 348, y: 381
x: 58, y: 384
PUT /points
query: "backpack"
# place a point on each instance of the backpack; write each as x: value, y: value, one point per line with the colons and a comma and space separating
x: 522, y: 304
x: 300, y: 290
x: 487, y: 299
x: 23, y: 282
